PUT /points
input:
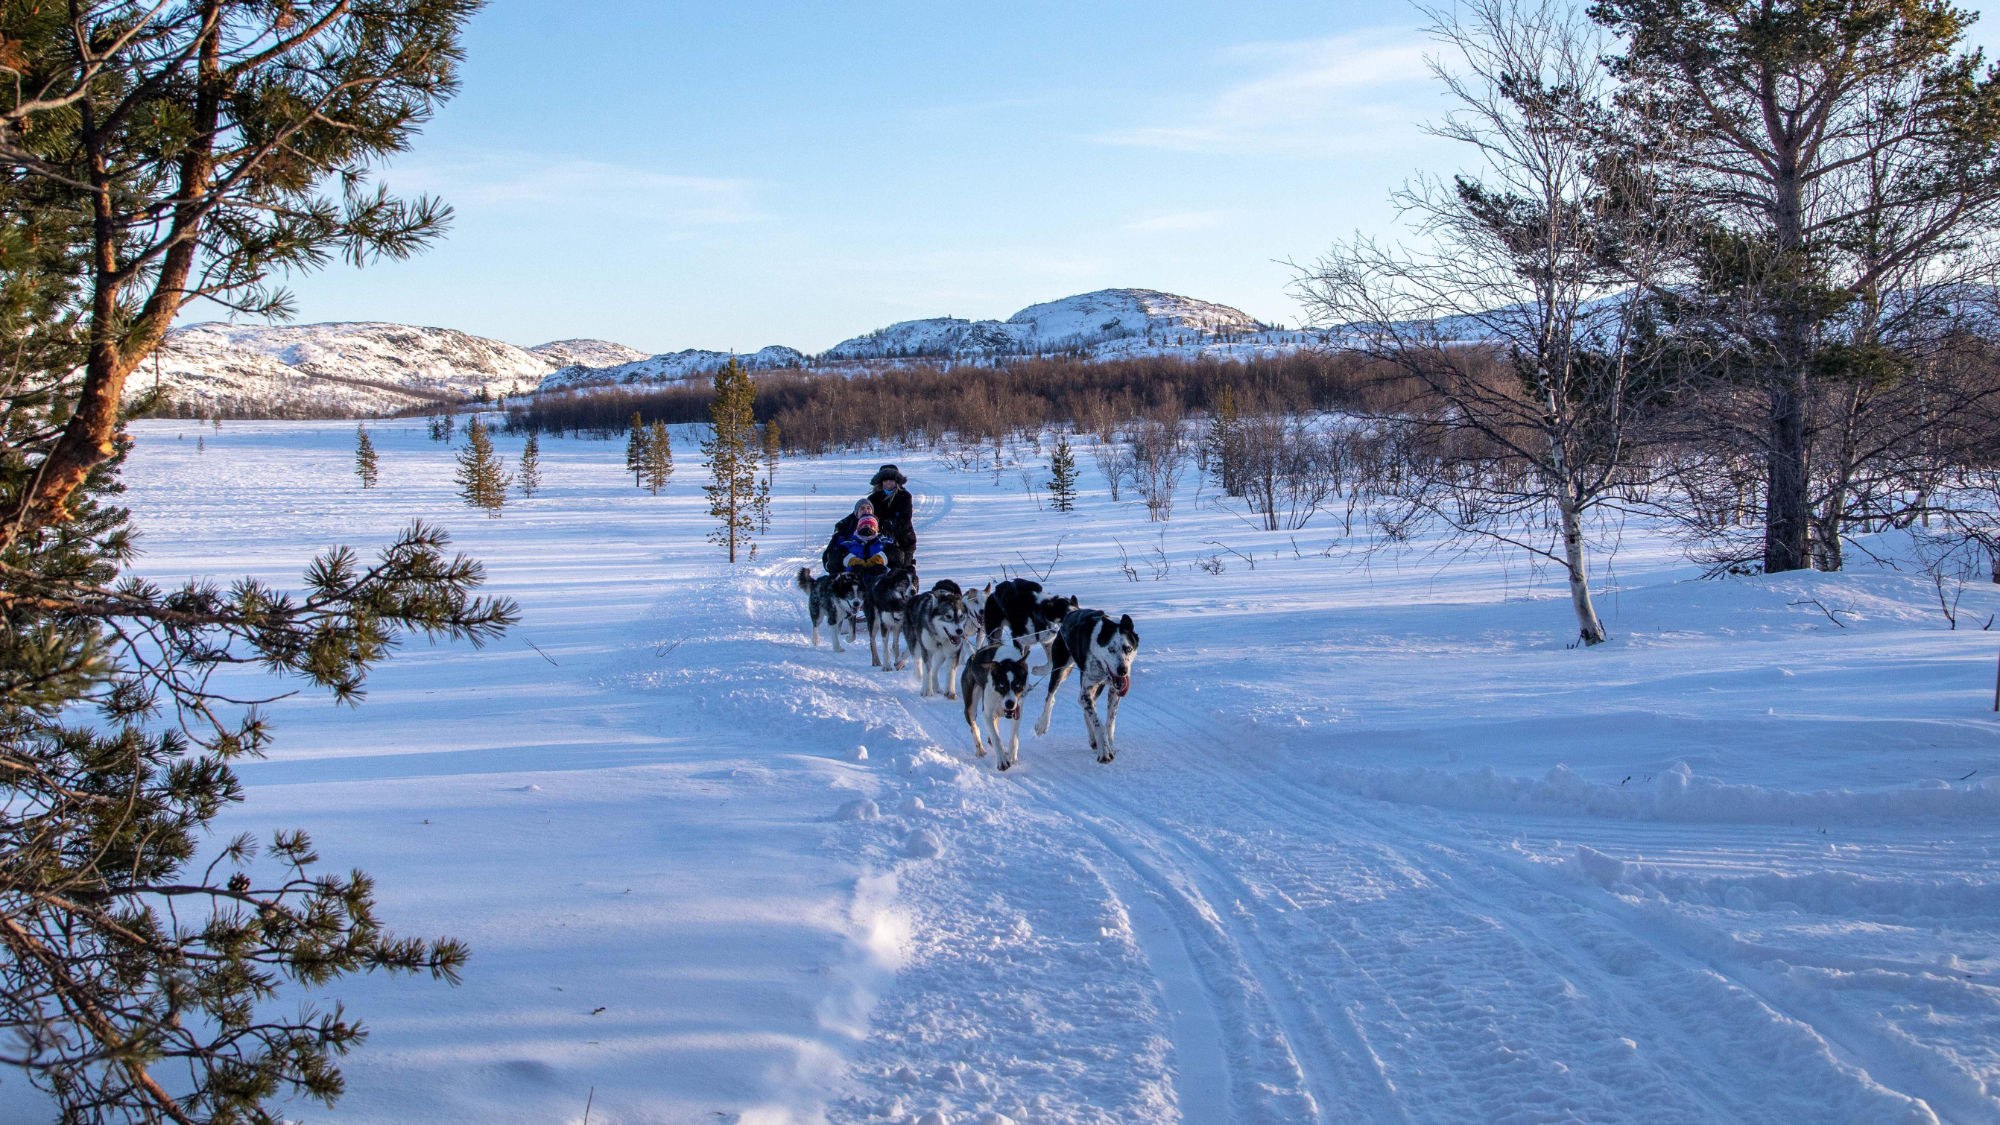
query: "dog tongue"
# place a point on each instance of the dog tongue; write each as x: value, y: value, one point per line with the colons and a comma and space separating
x: 1123, y: 684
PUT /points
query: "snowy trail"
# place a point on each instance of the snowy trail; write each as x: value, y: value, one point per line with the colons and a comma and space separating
x: 1377, y: 847
x: 1294, y: 933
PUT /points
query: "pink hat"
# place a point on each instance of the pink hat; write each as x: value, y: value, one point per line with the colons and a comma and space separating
x: 867, y: 525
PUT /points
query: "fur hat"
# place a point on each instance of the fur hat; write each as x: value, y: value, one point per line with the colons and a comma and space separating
x: 888, y: 472
x: 866, y: 525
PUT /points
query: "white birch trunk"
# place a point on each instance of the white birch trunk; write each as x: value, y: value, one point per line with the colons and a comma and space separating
x: 1588, y: 626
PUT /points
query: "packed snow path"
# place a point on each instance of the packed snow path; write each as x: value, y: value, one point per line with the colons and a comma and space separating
x: 1377, y: 845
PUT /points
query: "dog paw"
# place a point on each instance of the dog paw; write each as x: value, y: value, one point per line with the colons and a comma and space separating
x: 1105, y: 758
x: 1005, y: 766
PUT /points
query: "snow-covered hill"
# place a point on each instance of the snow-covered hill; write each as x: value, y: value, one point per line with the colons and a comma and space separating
x: 1110, y: 320
x: 372, y: 368
x: 587, y: 353
x: 1106, y: 324
x: 331, y: 369
x: 669, y: 367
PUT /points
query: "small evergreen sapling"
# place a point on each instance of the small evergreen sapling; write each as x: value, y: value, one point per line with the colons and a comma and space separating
x: 365, y: 462
x: 1062, y: 475
x: 529, y: 476
x: 658, y: 458
x: 636, y: 442
x: 482, y: 480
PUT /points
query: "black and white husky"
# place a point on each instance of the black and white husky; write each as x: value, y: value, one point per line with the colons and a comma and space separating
x: 934, y: 629
x: 1016, y: 607
x: 886, y: 597
x: 834, y: 599
x: 1102, y: 651
x: 993, y: 683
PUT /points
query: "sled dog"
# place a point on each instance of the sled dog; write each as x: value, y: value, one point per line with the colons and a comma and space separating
x: 1102, y: 651
x: 834, y: 599
x: 1016, y: 607
x: 886, y: 599
x: 934, y: 632
x: 992, y: 684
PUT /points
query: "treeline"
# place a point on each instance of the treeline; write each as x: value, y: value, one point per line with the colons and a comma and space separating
x: 920, y: 405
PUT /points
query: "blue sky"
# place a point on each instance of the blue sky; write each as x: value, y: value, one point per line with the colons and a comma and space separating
x: 674, y: 175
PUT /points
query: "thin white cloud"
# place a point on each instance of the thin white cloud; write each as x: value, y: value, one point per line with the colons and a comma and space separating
x: 525, y: 183
x: 1315, y: 97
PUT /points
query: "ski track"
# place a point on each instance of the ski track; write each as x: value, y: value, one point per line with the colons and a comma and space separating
x: 1314, y: 955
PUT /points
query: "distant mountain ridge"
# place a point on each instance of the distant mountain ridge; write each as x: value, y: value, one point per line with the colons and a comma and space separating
x: 366, y: 368
x: 669, y: 367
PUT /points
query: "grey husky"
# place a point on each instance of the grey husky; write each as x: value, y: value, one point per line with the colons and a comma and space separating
x: 993, y: 683
x: 1102, y: 651
x: 934, y: 630
x: 834, y: 599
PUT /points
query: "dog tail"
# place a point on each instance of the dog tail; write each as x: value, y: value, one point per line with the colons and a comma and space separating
x: 805, y: 578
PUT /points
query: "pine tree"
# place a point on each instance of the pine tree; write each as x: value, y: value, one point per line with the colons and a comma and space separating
x: 657, y: 460
x: 1225, y: 443
x: 732, y: 461
x: 635, y: 450
x: 482, y: 480
x: 529, y: 475
x: 1062, y: 475
x: 156, y: 970
x: 364, y: 457
x: 771, y: 451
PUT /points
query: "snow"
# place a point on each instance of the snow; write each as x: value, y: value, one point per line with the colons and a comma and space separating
x: 1378, y: 846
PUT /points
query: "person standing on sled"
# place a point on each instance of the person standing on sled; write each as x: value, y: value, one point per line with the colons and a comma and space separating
x: 866, y: 549
x: 893, y: 510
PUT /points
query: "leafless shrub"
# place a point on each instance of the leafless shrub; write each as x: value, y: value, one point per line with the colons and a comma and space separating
x: 1161, y: 452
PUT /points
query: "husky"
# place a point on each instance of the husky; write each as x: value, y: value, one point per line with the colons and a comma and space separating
x: 934, y: 631
x: 834, y: 599
x: 992, y: 684
x: 1017, y: 607
x: 886, y: 599
x: 1102, y: 651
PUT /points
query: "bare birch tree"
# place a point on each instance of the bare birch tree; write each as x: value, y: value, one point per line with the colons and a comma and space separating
x: 1518, y: 321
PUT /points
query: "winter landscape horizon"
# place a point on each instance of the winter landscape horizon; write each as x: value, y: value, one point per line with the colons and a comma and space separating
x: 832, y: 564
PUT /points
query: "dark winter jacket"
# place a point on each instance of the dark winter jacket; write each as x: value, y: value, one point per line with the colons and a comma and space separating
x: 893, y: 511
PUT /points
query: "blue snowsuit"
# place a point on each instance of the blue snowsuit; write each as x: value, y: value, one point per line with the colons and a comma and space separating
x: 865, y: 551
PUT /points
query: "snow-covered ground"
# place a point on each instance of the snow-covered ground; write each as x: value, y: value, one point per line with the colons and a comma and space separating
x: 1377, y: 847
